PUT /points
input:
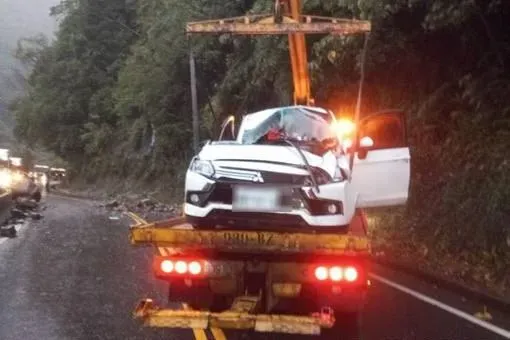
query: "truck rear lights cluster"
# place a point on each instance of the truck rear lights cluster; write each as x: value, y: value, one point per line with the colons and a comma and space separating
x: 181, y: 267
x: 336, y: 273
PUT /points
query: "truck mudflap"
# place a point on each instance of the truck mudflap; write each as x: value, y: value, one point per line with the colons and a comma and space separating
x: 235, y: 318
x: 176, y: 233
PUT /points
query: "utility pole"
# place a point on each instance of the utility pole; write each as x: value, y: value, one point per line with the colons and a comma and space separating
x: 194, y: 101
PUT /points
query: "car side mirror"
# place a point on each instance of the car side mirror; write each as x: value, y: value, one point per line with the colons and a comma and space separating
x: 365, y: 144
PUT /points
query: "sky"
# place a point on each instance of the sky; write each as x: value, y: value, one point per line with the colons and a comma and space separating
x: 21, y: 18
x: 25, y: 18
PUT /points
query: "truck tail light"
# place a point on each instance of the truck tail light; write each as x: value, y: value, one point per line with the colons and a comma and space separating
x: 337, y: 273
x: 321, y: 273
x: 195, y: 268
x: 351, y: 274
x: 165, y: 267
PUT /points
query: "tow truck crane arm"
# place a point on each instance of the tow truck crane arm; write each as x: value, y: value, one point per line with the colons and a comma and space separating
x: 285, y: 19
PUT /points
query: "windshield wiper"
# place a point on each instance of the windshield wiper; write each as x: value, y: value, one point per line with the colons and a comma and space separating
x: 308, y: 167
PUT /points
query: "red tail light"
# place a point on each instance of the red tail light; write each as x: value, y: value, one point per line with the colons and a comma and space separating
x: 351, y: 274
x: 174, y: 267
x: 321, y: 273
x: 195, y: 268
x: 181, y: 267
x: 167, y: 266
x: 336, y: 273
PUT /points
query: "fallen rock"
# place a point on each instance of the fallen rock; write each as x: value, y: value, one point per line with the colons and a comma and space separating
x: 112, y: 204
x: 36, y: 216
x: 8, y: 231
x: 26, y: 205
x: 146, y: 202
x: 16, y: 214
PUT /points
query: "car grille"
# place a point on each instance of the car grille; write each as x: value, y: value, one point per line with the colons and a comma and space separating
x: 222, y: 193
x: 231, y: 175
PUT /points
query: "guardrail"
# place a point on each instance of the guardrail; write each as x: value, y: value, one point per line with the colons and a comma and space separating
x: 5, y: 205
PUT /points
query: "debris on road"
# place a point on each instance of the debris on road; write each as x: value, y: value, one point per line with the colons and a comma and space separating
x: 36, y: 216
x: 16, y: 213
x: 141, y: 204
x: 8, y: 231
x: 484, y: 315
x: 22, y: 209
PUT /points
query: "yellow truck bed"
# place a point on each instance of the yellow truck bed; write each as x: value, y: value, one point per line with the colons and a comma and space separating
x: 176, y: 233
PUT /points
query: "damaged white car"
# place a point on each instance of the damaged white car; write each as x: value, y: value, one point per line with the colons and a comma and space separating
x: 288, y: 167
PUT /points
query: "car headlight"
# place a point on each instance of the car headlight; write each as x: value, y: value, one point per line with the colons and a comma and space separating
x: 16, y: 177
x: 202, y: 167
x: 5, y: 179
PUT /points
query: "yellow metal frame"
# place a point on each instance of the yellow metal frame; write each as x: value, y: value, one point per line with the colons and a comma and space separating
x: 154, y: 316
x: 288, y: 21
x: 176, y: 233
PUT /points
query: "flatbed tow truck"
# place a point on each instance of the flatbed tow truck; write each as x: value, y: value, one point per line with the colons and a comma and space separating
x: 234, y: 279
x: 266, y: 280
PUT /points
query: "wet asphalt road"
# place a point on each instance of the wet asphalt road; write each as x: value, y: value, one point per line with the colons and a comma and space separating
x: 74, y: 275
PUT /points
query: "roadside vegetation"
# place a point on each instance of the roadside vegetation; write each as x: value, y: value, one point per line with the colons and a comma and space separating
x: 111, y: 95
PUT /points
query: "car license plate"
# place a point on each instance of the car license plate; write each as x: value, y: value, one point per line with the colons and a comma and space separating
x: 255, y: 198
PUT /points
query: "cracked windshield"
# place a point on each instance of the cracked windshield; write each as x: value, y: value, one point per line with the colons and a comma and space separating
x: 254, y: 169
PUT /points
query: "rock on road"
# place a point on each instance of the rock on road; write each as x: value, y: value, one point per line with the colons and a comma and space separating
x: 74, y: 275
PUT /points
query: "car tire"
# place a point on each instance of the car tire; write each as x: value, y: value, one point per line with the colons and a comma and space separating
x: 37, y: 196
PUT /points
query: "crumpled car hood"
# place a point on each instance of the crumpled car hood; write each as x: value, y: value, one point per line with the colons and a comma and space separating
x: 257, y: 155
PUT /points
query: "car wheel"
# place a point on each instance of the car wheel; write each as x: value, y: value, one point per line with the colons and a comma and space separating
x: 37, y: 196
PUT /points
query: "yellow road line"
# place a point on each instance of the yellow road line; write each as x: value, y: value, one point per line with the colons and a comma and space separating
x: 218, y: 333
x: 136, y: 218
x: 198, y: 333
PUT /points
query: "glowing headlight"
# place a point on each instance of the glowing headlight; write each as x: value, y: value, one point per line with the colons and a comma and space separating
x: 5, y: 179
x: 16, y: 177
x: 202, y: 167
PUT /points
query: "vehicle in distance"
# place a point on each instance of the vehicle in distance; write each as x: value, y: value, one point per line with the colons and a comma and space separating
x: 288, y: 166
x: 20, y: 184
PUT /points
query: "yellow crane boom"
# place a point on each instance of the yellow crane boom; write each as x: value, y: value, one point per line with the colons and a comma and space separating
x: 285, y: 19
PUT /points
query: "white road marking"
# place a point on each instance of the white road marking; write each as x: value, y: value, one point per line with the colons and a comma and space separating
x: 491, y: 327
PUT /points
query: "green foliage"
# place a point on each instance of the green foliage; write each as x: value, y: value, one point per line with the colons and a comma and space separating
x: 112, y: 95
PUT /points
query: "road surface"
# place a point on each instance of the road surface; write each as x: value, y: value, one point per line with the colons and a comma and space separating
x: 73, y: 275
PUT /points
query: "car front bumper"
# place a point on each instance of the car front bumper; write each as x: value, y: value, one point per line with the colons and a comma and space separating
x: 214, y: 207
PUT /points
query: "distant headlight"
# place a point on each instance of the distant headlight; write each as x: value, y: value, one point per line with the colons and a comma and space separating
x: 202, y: 167
x: 5, y: 179
x: 17, y: 177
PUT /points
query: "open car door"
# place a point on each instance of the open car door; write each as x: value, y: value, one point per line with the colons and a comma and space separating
x: 381, y: 168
